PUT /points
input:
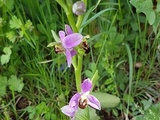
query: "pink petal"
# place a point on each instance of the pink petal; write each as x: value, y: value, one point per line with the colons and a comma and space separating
x: 61, y: 35
x: 72, y: 108
x: 68, y: 30
x: 72, y: 40
x: 69, y: 111
x: 86, y: 86
x: 74, y: 98
x: 73, y: 52
x: 68, y: 57
x: 94, y: 102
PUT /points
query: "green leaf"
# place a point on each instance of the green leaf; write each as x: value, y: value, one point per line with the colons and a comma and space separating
x: 151, y: 17
x: 88, y: 73
x: 41, y: 108
x: 146, y: 7
x: 11, y: 36
x: 93, y: 115
x: 128, y: 99
x: 119, y: 39
x: 158, y: 7
x: 147, y: 103
x: 107, y: 100
x: 87, y: 114
x: 7, y: 50
x: 82, y: 114
x: 32, y: 112
x: 156, y: 23
x: 5, y: 59
x: 28, y: 24
x: 3, y: 85
x: 134, y: 25
x: 9, y: 4
x: 15, y: 84
x: 15, y: 22
x: 93, y: 66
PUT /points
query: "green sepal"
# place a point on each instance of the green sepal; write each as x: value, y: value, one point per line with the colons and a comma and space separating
x: 52, y: 44
x: 57, y: 39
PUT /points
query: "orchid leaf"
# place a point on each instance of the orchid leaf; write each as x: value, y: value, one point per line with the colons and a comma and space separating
x: 87, y: 114
x: 107, y: 100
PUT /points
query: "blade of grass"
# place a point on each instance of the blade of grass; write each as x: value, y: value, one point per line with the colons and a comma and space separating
x: 130, y: 72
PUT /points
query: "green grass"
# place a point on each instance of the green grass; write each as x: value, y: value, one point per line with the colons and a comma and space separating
x: 119, y: 38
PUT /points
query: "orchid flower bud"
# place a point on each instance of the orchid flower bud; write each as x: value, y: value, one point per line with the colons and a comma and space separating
x: 79, y: 8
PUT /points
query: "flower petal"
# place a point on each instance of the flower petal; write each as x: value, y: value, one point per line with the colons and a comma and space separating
x: 72, y: 108
x: 86, y: 85
x: 69, y: 111
x: 73, y: 52
x: 74, y: 98
x: 68, y: 30
x: 94, y: 102
x: 72, y: 40
x: 61, y: 35
x: 68, y: 57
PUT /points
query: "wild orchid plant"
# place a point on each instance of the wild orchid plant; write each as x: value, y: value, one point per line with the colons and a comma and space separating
x: 73, y: 44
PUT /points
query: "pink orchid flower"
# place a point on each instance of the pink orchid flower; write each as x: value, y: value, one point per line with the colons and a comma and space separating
x: 81, y: 100
x: 69, y: 40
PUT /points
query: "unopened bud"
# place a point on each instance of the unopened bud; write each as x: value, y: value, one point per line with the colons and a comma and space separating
x: 79, y: 8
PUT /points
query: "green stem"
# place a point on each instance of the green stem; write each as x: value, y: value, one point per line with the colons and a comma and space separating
x: 80, y: 17
x: 78, y: 72
x: 70, y: 16
x: 71, y: 21
x: 85, y: 2
x: 79, y: 21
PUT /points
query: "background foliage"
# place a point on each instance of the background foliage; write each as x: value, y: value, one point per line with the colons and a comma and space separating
x: 124, y: 47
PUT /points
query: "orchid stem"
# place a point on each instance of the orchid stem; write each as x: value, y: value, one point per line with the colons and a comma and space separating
x: 78, y: 72
x: 79, y: 21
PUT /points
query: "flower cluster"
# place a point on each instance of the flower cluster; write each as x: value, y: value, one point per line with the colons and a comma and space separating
x: 81, y: 100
